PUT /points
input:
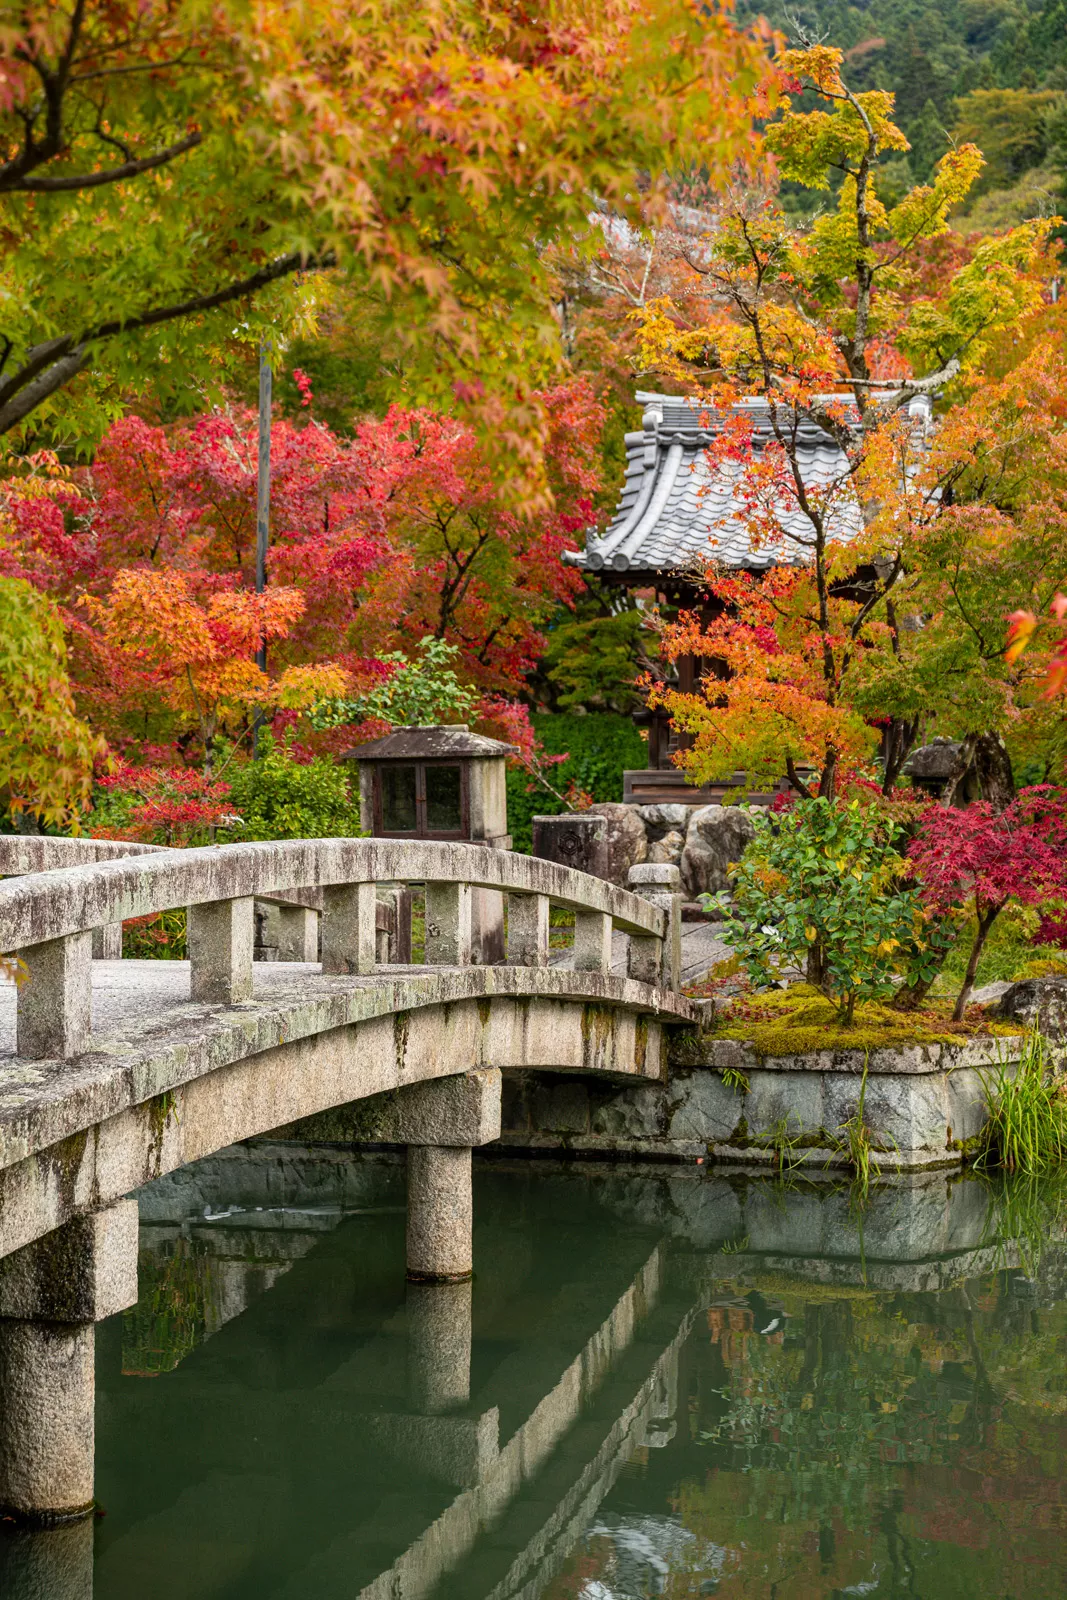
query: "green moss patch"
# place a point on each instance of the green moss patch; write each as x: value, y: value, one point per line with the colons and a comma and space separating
x: 799, y: 1021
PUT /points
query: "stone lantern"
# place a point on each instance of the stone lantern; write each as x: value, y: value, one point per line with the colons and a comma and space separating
x: 440, y: 783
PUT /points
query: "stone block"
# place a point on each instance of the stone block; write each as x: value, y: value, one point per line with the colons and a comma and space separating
x: 220, y: 938
x: 966, y: 1105
x: 54, y: 1002
x: 448, y: 924
x: 1038, y: 1003
x: 463, y: 1110
x: 575, y: 839
x: 668, y: 849
x: 715, y: 836
x: 665, y: 818
x: 107, y: 942
x: 348, y: 934
x: 629, y: 1114
x: 625, y: 840
x: 791, y: 1101
x: 440, y: 1214
x: 560, y: 1107
x: 702, y: 1107
x: 47, y: 1420
x: 82, y: 1272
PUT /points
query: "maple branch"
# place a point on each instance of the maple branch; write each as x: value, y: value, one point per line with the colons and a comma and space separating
x: 50, y: 365
x: 95, y: 180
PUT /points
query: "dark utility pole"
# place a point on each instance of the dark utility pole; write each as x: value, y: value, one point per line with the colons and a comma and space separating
x: 262, y: 510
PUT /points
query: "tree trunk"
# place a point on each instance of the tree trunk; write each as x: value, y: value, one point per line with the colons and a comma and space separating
x: 899, y: 738
x: 986, y: 920
x: 815, y: 967
x: 981, y: 771
x: 912, y: 997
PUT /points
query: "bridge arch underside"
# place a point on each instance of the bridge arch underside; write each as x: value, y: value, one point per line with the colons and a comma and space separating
x: 192, y: 1096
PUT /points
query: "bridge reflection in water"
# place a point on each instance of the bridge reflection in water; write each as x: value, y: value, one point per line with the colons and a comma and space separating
x: 657, y: 1384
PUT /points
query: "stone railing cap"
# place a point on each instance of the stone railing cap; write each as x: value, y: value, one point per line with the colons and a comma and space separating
x: 660, y: 873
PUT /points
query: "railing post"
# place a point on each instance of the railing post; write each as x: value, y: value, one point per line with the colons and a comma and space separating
x: 654, y: 960
x: 298, y: 933
x: 220, y: 937
x: 107, y: 942
x: 528, y: 920
x: 448, y: 924
x: 348, y: 930
x: 54, y: 1005
x: 592, y: 941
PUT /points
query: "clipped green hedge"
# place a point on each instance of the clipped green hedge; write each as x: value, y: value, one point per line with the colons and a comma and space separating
x: 599, y: 747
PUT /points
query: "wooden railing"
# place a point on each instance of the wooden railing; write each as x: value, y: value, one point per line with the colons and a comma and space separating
x: 50, y: 915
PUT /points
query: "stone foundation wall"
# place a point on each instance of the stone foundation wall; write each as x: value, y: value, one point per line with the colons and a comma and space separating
x: 921, y: 1108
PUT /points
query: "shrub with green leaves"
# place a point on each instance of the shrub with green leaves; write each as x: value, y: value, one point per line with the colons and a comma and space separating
x: 280, y: 798
x: 421, y: 691
x: 823, y: 888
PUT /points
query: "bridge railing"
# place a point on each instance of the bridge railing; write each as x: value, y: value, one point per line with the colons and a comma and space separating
x: 49, y: 916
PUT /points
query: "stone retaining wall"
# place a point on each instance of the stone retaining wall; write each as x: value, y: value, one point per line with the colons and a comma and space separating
x: 922, y: 1106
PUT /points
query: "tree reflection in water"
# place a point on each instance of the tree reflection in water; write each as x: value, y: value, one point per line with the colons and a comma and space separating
x: 660, y: 1384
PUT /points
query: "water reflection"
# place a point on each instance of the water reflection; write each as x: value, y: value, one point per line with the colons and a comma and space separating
x: 659, y: 1384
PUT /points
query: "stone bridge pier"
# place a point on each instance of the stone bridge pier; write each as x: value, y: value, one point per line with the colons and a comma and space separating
x: 52, y: 1294
x: 54, y: 1291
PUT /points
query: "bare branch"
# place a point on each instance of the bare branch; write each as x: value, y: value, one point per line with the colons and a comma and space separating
x: 48, y: 367
x: 95, y: 180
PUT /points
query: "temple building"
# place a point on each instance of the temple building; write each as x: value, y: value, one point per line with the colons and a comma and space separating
x: 677, y: 510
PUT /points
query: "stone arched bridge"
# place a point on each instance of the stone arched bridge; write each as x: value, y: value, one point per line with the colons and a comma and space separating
x: 117, y: 1072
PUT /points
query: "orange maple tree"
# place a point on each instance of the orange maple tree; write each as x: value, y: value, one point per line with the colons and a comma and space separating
x: 196, y: 655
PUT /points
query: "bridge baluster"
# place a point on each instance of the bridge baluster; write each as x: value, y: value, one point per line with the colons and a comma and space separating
x: 448, y: 924
x: 220, y: 938
x: 592, y: 941
x: 55, y: 1000
x: 298, y: 933
x: 348, y: 932
x: 653, y: 960
x: 528, y: 930
x: 107, y: 942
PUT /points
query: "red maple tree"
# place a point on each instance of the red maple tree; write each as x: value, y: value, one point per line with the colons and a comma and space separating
x: 981, y: 859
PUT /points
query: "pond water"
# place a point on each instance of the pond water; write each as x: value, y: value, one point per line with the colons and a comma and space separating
x: 661, y: 1383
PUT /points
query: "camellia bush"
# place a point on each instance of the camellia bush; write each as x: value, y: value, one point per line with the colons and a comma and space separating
x: 824, y: 889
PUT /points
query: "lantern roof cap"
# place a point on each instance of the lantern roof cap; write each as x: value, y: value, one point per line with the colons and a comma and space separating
x: 449, y: 741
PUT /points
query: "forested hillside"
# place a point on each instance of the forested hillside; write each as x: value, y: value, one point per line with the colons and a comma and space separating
x: 990, y: 71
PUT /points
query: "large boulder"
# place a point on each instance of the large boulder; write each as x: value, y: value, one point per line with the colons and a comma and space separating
x: 625, y: 840
x: 669, y: 848
x: 716, y: 836
x: 665, y: 818
x: 1040, y: 1003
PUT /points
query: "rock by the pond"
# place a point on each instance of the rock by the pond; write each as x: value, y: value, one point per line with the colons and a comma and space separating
x: 1038, y: 1002
x: 625, y: 843
x: 716, y: 836
x: 665, y: 818
x: 669, y: 848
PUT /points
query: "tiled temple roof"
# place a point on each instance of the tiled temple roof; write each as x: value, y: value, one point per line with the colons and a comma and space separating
x: 673, y: 504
